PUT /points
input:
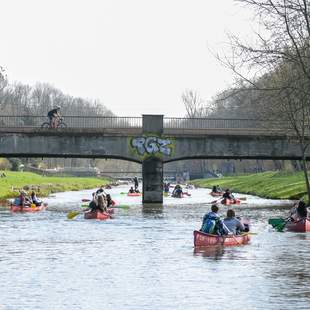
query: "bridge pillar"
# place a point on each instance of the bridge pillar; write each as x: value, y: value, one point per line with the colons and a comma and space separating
x: 152, y: 167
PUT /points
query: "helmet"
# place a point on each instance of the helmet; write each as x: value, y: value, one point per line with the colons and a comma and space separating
x: 58, y: 107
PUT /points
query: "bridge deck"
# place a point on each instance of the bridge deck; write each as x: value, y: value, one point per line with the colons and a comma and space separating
x: 138, y: 131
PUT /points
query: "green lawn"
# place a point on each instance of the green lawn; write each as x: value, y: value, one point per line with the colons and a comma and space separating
x: 10, y: 185
x: 278, y: 185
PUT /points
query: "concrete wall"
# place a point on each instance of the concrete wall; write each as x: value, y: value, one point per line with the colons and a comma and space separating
x: 97, y: 146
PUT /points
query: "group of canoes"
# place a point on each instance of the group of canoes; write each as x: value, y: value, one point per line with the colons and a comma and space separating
x: 233, y: 231
x: 227, y: 197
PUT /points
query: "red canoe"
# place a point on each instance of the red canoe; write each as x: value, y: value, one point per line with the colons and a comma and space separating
x: 228, y: 202
x: 97, y: 215
x: 302, y: 225
x: 16, y: 208
x: 216, y: 194
x: 134, y: 194
x: 202, y: 239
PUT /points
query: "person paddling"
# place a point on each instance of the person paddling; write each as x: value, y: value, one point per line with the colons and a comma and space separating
x: 231, y: 224
x: 228, y: 195
x: 110, y: 202
x: 211, y: 222
x: 34, y: 199
x: 299, y: 211
x: 102, y: 204
x: 92, y: 207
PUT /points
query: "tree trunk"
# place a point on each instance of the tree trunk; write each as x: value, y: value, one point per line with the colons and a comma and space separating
x: 304, y: 164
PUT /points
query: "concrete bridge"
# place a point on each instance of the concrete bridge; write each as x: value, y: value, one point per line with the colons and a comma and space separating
x: 151, y: 140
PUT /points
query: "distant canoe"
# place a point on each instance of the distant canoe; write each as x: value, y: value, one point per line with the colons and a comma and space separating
x: 33, y: 208
x: 97, y: 215
x: 228, y: 202
x: 202, y: 239
x: 134, y: 194
x: 302, y: 225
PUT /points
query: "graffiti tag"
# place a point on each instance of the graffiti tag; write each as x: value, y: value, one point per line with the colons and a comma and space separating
x: 152, y: 145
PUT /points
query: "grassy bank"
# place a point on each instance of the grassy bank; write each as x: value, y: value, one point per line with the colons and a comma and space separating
x: 14, y: 181
x: 276, y: 185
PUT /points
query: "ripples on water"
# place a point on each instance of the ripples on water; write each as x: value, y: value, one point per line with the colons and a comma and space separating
x: 144, y: 259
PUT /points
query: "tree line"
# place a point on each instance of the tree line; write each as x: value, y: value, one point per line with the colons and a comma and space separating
x: 272, y: 73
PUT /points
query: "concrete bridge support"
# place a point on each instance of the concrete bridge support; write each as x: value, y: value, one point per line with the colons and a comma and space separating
x: 152, y: 167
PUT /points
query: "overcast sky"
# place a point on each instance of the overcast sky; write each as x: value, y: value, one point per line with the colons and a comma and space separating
x: 136, y: 56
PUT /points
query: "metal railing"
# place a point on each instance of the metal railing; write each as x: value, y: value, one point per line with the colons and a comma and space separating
x: 31, y: 121
x: 220, y: 123
x: 112, y: 122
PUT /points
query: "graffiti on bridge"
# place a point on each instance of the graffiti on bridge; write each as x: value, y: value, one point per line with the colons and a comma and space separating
x: 152, y: 145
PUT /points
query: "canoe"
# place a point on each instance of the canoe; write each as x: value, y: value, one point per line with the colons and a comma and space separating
x: 216, y: 194
x: 134, y: 194
x: 96, y: 215
x: 228, y: 202
x: 16, y: 208
x: 302, y: 225
x: 202, y: 239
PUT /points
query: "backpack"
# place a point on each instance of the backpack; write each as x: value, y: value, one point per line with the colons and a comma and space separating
x: 210, y: 226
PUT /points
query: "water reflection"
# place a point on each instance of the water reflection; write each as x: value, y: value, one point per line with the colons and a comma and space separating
x: 152, y: 208
x: 215, y: 252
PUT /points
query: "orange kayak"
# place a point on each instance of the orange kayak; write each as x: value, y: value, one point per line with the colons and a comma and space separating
x: 202, y: 239
x: 33, y: 208
x: 302, y: 225
x: 97, y: 215
x: 134, y: 194
x: 228, y: 202
x: 216, y: 194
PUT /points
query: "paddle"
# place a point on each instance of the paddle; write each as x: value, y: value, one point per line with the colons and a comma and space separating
x: 85, y: 200
x: 278, y: 223
x: 216, y: 201
x: 120, y: 207
x: 281, y: 226
x: 71, y: 215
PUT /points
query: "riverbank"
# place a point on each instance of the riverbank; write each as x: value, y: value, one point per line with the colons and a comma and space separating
x: 42, y: 185
x: 274, y: 185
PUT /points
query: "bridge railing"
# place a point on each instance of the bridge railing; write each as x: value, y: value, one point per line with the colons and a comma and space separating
x: 113, y: 122
x: 219, y: 123
x: 72, y: 121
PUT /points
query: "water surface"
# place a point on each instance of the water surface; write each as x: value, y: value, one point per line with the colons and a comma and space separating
x: 144, y: 259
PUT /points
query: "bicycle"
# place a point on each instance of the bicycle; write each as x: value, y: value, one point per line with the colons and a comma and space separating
x: 59, y: 124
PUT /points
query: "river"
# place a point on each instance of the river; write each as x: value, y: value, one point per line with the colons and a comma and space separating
x: 144, y: 258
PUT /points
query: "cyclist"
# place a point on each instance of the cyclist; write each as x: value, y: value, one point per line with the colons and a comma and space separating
x: 54, y: 117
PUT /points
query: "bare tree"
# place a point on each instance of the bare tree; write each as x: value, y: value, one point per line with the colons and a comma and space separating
x: 193, y: 104
x: 276, y: 67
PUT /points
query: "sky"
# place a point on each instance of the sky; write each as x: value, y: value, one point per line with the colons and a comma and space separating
x: 135, y: 56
